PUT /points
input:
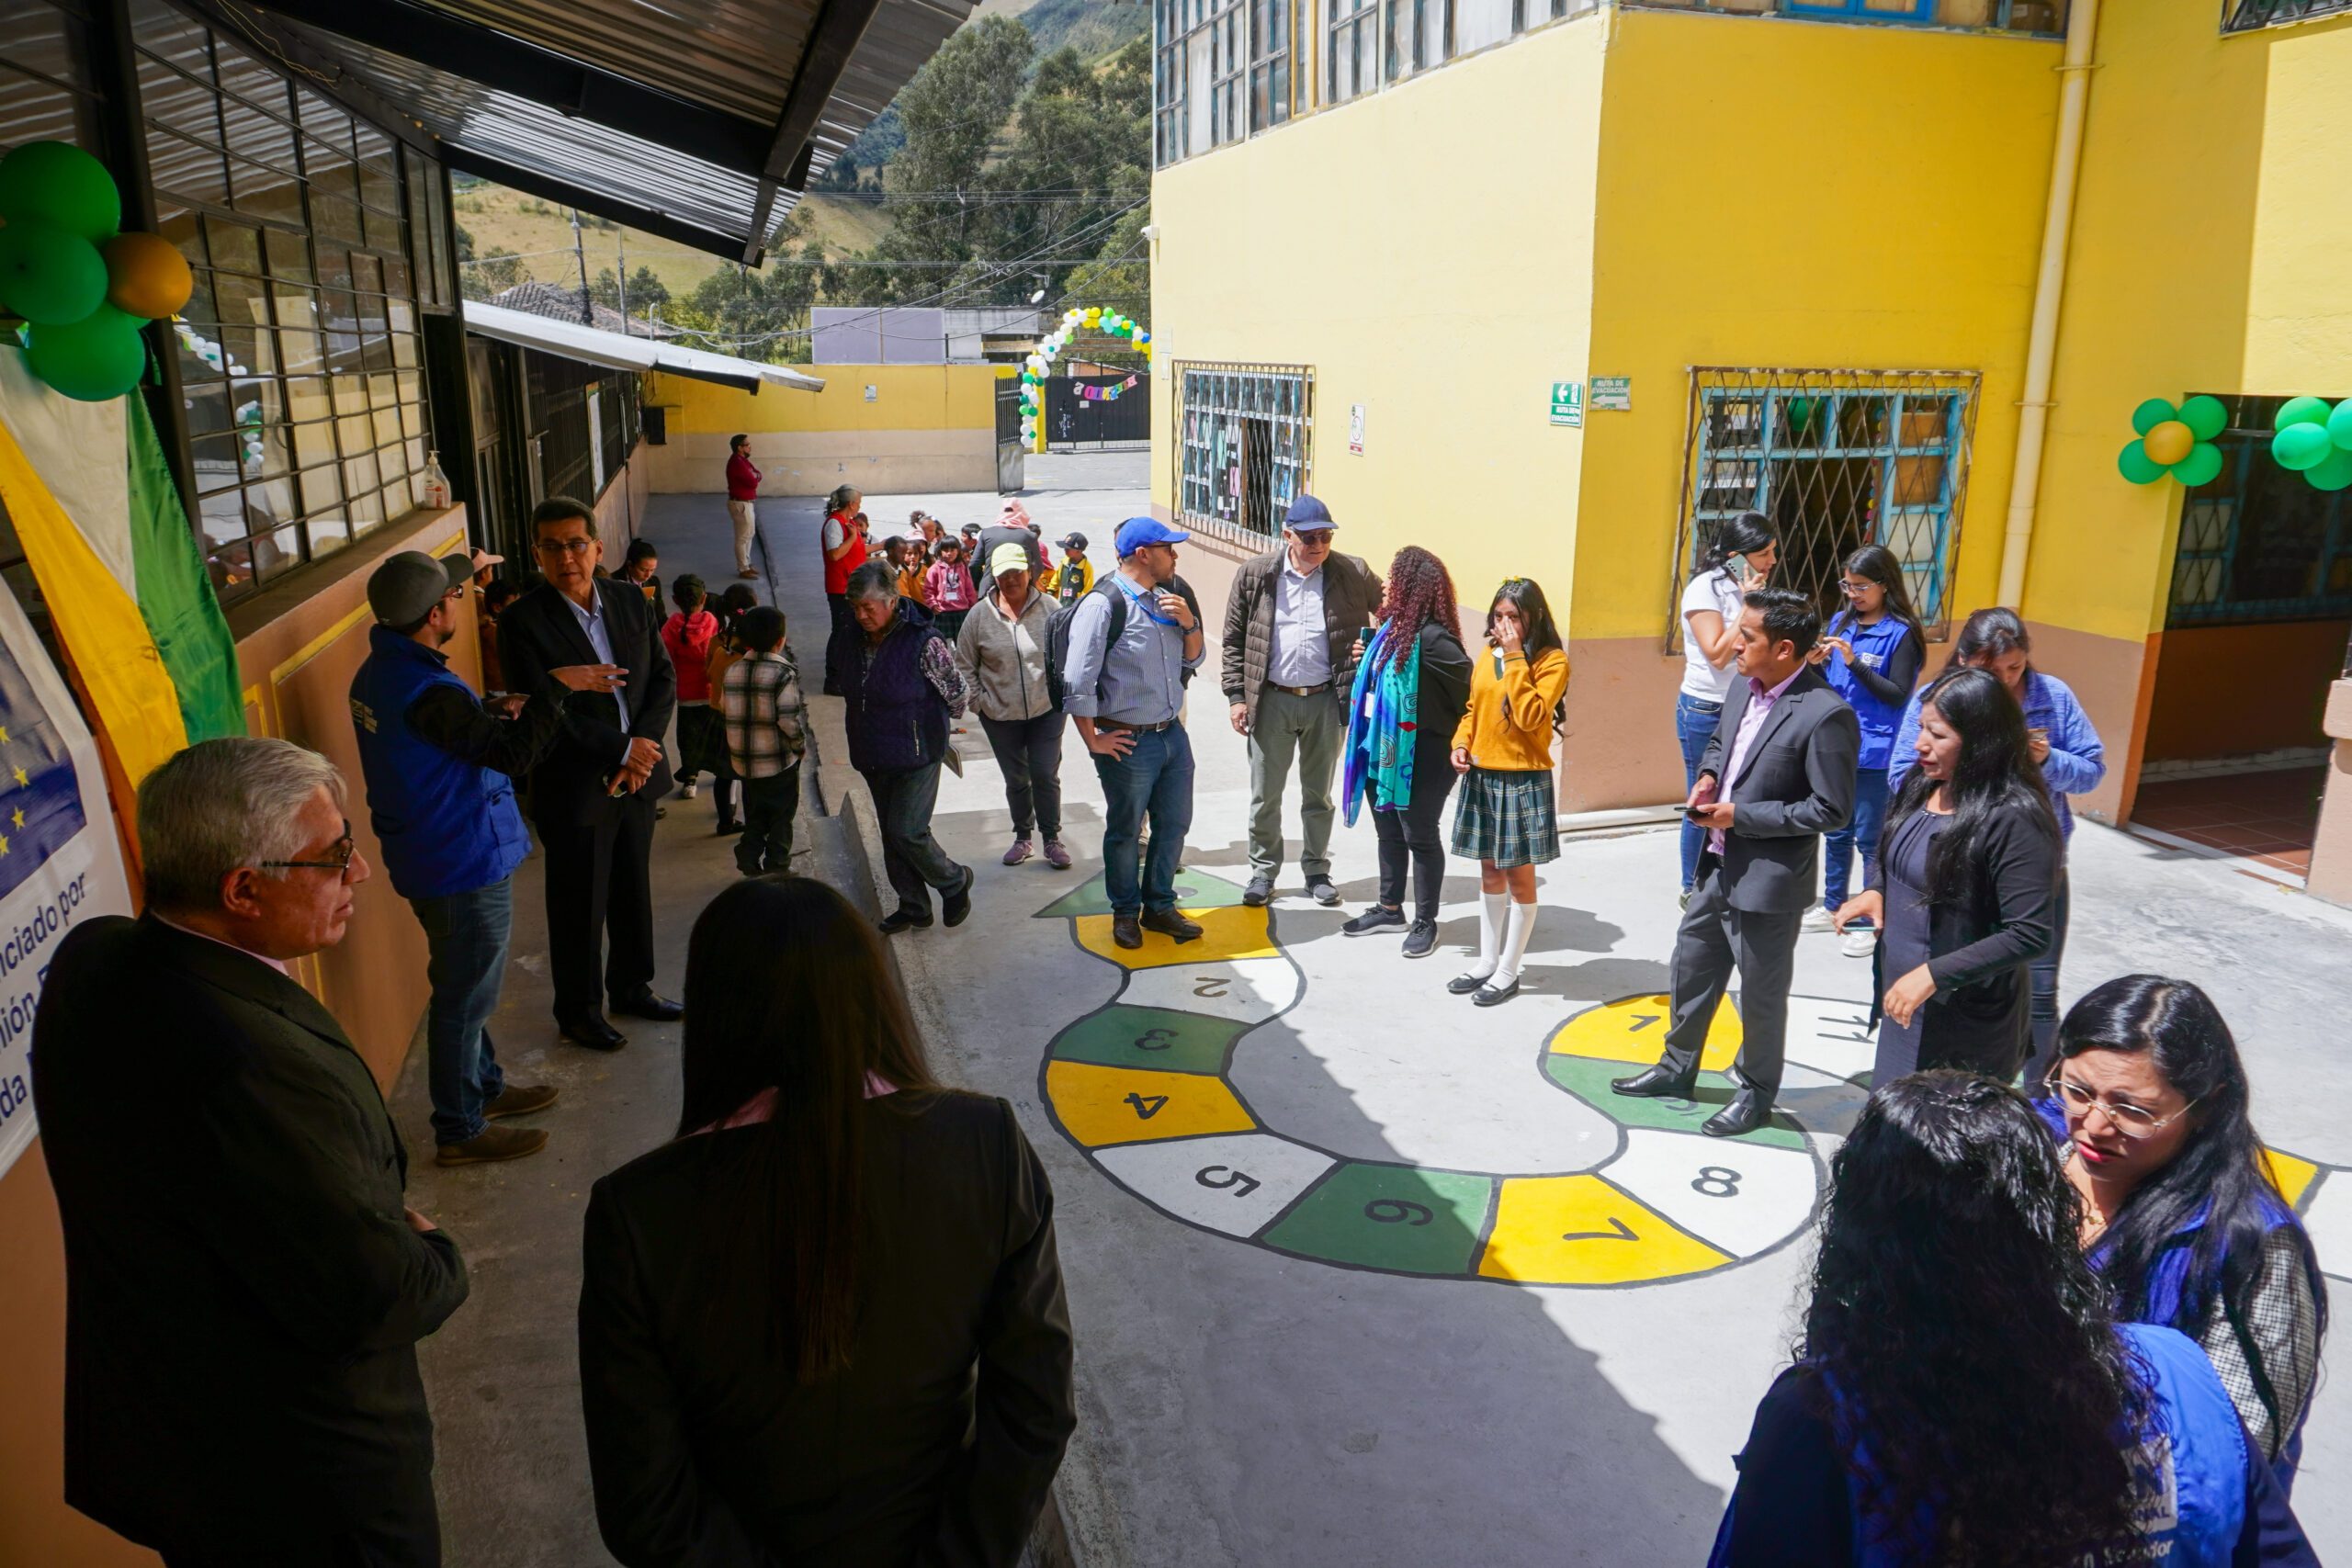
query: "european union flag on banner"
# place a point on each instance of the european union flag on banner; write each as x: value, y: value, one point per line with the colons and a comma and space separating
x: 40, y: 800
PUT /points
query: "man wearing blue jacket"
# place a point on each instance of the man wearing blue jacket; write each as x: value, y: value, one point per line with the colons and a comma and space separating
x: 439, y: 766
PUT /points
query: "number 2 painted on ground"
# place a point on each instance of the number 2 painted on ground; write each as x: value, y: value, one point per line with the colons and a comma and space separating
x: 1240, y: 1185
x: 1209, y: 986
x: 1146, y: 1105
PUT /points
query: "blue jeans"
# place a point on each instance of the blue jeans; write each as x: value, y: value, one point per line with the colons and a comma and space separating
x: 1860, y: 831
x: 1155, y: 776
x: 1694, y: 724
x: 467, y: 935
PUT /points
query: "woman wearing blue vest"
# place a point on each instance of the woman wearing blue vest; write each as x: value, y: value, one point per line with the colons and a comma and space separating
x: 2149, y: 1106
x: 2072, y: 762
x: 1871, y: 653
x: 1962, y: 1394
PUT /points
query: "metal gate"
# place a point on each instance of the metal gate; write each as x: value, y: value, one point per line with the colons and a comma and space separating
x: 1073, y: 419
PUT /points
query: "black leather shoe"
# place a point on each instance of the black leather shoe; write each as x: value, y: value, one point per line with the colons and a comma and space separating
x: 898, y: 920
x: 1259, y: 893
x: 953, y: 908
x: 592, y: 1033
x: 1421, y: 941
x: 1749, y: 1109
x: 645, y: 1004
x: 1377, y: 917
x: 1463, y: 984
x: 1126, y: 930
x: 1492, y: 995
x: 1660, y: 1082
x: 1169, y: 923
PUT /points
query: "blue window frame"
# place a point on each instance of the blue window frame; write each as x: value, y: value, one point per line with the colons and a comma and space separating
x: 1865, y: 10
x: 2252, y: 16
x: 1836, y: 459
x: 2258, y: 543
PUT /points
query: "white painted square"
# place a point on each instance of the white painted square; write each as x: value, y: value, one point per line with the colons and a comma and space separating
x: 1248, y: 989
x: 1234, y: 1183
x: 1772, y: 1191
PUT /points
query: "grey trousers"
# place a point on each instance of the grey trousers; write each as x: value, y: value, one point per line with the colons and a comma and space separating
x: 1311, y: 730
x: 1714, y: 940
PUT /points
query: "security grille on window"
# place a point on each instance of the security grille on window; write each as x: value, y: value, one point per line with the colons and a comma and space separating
x: 1836, y: 459
x: 1242, y: 445
x: 2246, y: 15
x: 2260, y: 542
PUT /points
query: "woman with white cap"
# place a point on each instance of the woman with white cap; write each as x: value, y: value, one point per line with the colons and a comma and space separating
x: 1001, y: 646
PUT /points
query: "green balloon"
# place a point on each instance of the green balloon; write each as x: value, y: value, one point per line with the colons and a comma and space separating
x: 2137, y: 465
x: 93, y: 360
x: 2201, y: 467
x: 2339, y: 423
x: 2151, y: 413
x: 2206, y: 417
x: 2301, y: 447
x: 2301, y: 411
x: 59, y: 183
x: 2332, y: 472
x: 48, y: 276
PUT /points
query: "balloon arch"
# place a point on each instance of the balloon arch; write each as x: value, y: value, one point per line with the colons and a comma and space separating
x: 1038, y: 366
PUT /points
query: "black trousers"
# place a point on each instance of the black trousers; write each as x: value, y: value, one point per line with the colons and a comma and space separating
x: 599, y: 891
x: 1029, y: 755
x: 1714, y: 940
x: 838, y: 605
x: 1417, y: 834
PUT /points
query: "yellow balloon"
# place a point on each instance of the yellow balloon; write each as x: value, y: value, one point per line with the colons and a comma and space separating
x: 2169, y: 443
x: 1093, y: 315
x: 146, y: 275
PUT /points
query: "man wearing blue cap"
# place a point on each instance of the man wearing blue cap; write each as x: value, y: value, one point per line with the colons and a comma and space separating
x: 1291, y: 647
x: 1131, y: 640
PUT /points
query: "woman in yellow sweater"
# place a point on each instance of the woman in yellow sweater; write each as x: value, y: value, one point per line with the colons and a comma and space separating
x: 1503, y: 749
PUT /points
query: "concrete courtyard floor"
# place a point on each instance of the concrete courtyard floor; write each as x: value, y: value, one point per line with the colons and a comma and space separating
x: 1360, y: 1275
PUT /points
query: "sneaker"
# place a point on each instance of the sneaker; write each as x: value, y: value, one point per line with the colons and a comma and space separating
x: 898, y: 920
x: 953, y: 908
x: 1816, y: 920
x: 493, y: 1143
x: 1372, y: 920
x: 1018, y: 852
x: 686, y: 790
x: 1056, y: 856
x: 1319, y: 888
x: 1860, y: 943
x: 1421, y: 941
x: 1259, y: 892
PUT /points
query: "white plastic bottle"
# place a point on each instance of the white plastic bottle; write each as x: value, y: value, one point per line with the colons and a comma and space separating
x: 437, y: 483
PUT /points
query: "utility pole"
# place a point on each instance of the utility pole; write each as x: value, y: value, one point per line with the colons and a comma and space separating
x: 621, y: 240
x: 587, y: 314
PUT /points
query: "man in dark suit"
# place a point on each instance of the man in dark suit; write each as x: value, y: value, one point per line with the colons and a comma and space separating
x: 593, y: 792
x: 245, y: 1286
x: 1789, y: 747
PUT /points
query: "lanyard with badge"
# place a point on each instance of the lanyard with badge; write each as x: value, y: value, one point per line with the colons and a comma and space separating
x: 1149, y: 607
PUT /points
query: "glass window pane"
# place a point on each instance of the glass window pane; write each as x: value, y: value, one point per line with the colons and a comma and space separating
x: 239, y: 300
x: 335, y: 267
x: 301, y: 352
x: 182, y: 167
x: 250, y: 80
x: 255, y: 135
x: 328, y: 535
x: 258, y: 401
x: 404, y: 351
x: 350, y: 394
x: 236, y: 247
x: 384, y: 230
x: 322, y: 489
x: 333, y: 218
x: 306, y: 398
x: 329, y: 169
x: 263, y: 191
x: 231, y: 568
x: 186, y: 105
x: 201, y: 355
x: 322, y: 118
x: 289, y: 255
x: 277, y: 552
x: 313, y: 443
x: 356, y: 432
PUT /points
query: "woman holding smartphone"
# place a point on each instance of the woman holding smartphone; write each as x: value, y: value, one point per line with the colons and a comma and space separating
x: 1739, y: 557
x: 1872, y: 654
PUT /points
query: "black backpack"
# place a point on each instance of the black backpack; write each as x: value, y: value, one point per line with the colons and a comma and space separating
x: 1058, y: 638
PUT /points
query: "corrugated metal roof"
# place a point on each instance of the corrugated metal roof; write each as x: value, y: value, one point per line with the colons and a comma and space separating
x: 570, y: 340
x: 729, y: 54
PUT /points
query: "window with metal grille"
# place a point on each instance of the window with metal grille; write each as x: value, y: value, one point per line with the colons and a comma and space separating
x: 1836, y: 459
x: 299, y: 355
x: 2248, y: 16
x: 2258, y: 543
x: 1243, y: 444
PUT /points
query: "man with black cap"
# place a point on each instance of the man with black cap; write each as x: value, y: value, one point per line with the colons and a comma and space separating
x: 440, y: 766
x: 1291, y: 647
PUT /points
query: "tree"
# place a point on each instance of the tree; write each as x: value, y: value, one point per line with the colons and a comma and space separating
x: 495, y: 271
x: 647, y: 293
x: 754, y: 315
x: 1118, y: 279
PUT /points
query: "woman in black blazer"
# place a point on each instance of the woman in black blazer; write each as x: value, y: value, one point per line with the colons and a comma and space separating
x: 825, y: 1324
x: 1965, y: 888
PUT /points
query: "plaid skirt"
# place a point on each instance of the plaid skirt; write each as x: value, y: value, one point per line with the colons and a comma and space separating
x: 1506, y: 817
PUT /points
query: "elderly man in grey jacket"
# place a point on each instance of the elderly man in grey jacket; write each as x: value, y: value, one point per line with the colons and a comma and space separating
x: 1292, y: 641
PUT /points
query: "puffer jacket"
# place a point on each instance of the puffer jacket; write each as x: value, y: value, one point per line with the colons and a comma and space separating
x: 1005, y: 660
x: 1352, y: 591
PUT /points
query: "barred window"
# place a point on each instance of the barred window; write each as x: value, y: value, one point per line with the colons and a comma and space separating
x: 1243, y: 444
x: 299, y: 354
x: 1836, y: 459
x: 2248, y: 16
x: 2258, y: 543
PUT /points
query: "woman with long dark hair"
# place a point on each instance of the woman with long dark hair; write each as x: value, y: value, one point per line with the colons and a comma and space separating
x: 1739, y: 555
x: 1502, y: 747
x: 1963, y: 889
x: 824, y: 1324
x: 1411, y: 689
x: 1961, y: 1395
x: 1871, y: 653
x: 2150, y: 1105
x: 2065, y: 747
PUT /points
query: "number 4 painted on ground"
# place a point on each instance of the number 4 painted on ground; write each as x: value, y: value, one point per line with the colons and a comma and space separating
x: 1146, y: 1105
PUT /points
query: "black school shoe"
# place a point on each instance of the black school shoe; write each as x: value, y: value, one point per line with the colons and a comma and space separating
x: 956, y: 906
x: 898, y: 920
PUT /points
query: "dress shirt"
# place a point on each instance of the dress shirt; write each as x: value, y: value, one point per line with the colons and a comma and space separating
x: 1138, y: 679
x: 249, y: 952
x: 1759, y: 707
x: 591, y: 620
x: 1301, y: 650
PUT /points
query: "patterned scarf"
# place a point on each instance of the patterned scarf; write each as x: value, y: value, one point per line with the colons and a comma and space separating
x: 1382, y: 719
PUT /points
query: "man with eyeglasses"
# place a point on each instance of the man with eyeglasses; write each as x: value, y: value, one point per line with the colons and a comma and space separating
x: 1291, y: 647
x: 593, y: 792
x: 245, y: 1284
x: 440, y: 767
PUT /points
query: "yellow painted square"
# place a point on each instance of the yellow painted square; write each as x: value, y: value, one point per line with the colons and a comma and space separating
x: 1092, y: 1102
x: 1580, y: 1230
x: 1236, y: 933
x: 1633, y: 1030
x: 2291, y: 1174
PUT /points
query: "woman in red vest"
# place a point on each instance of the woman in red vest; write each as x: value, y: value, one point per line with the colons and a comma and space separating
x: 843, y: 540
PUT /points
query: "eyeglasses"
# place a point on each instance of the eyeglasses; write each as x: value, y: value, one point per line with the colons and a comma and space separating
x: 457, y: 595
x: 1314, y: 539
x: 343, y: 849
x: 574, y: 546
x: 2132, y: 1121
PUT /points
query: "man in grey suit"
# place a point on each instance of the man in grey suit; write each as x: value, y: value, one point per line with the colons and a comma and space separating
x: 1788, y: 748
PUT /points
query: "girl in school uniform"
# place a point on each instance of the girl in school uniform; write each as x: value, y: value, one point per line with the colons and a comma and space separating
x: 1871, y: 653
x: 1502, y: 749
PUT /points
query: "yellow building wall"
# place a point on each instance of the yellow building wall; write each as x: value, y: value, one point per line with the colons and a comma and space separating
x: 1428, y: 250
x: 928, y: 427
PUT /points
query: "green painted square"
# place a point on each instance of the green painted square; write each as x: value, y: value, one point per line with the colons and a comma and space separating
x: 1588, y: 1078
x: 1194, y: 890
x: 1396, y: 1217
x: 1156, y: 1038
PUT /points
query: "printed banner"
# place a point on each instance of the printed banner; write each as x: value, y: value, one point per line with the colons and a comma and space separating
x: 59, y: 859
x: 1110, y: 394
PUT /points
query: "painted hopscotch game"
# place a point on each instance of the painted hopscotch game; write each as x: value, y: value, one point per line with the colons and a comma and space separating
x: 1379, y: 1123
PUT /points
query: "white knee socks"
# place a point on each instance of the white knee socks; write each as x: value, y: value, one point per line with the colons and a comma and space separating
x: 1491, y: 906
x: 1522, y: 926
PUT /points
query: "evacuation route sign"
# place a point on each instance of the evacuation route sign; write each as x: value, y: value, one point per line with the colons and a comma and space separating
x: 1615, y: 393
x: 1567, y: 404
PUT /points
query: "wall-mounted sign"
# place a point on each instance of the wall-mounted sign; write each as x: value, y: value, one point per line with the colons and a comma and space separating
x: 1567, y: 404
x: 1355, y: 429
x: 872, y: 393
x: 1613, y: 393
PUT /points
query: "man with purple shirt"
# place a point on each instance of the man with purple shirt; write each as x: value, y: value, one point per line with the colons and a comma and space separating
x: 1778, y: 774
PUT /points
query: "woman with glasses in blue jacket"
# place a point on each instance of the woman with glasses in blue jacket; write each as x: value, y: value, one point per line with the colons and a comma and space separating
x: 1871, y: 653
